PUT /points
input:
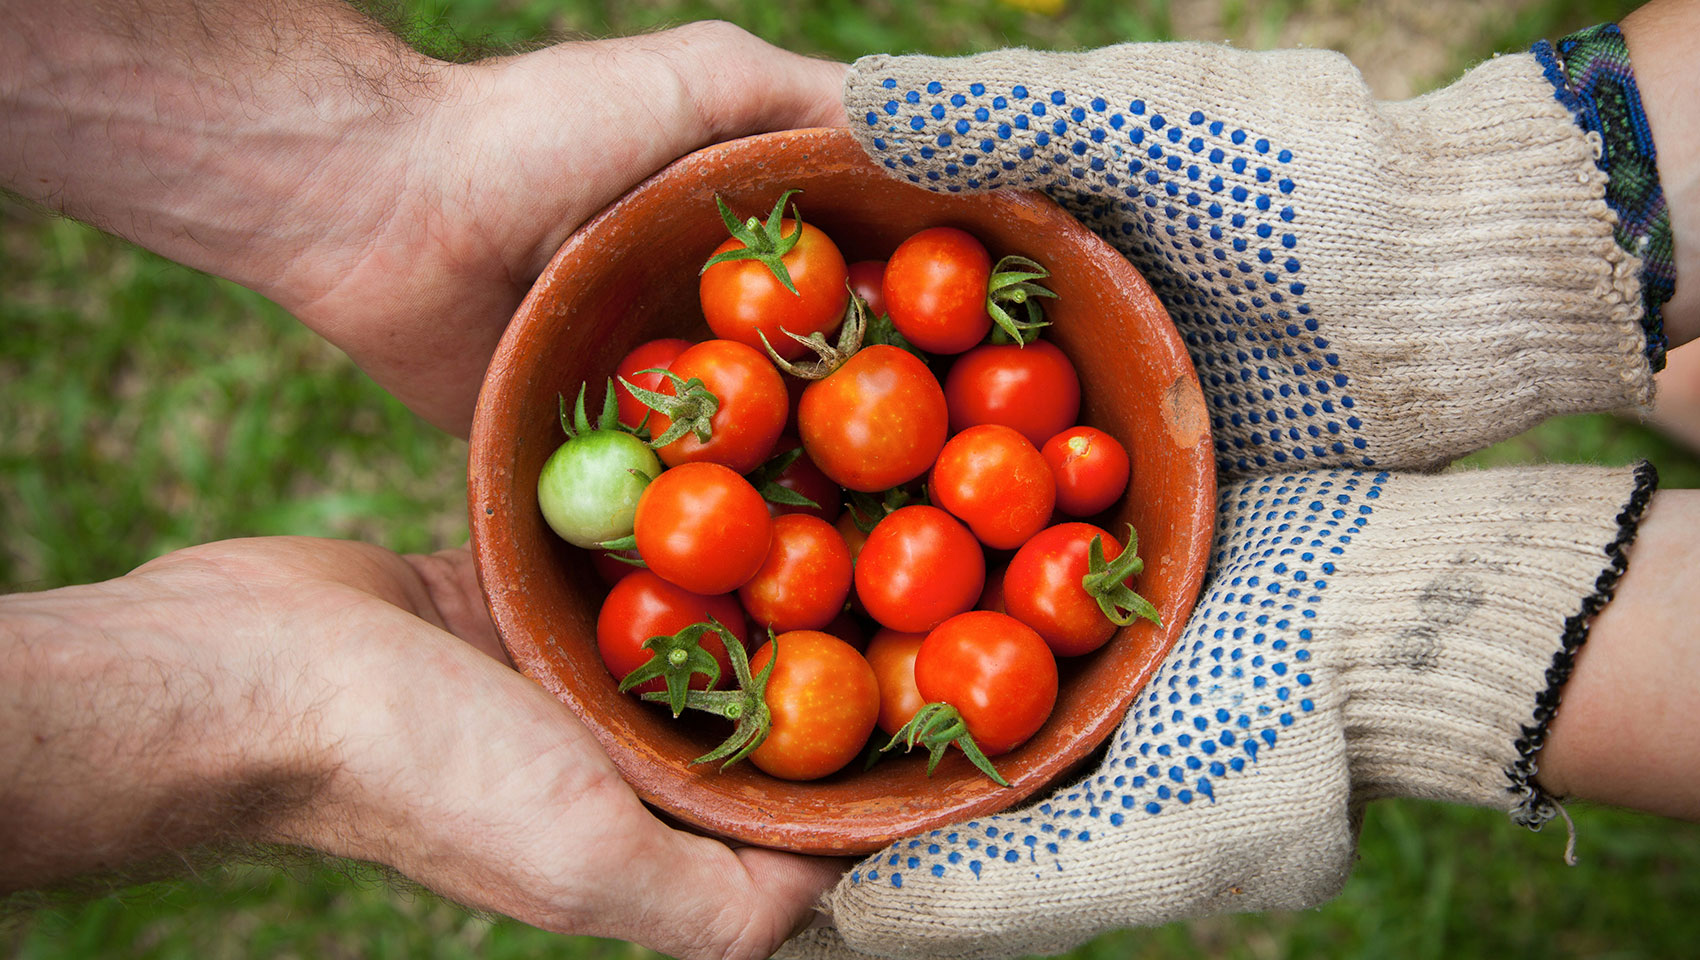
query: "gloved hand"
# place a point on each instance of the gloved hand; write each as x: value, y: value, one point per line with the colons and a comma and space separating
x: 1364, y: 635
x: 1361, y: 285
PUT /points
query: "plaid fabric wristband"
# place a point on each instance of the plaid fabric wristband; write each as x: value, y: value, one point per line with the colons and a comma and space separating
x: 1591, y: 75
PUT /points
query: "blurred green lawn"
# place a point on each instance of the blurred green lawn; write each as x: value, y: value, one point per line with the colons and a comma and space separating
x: 148, y: 407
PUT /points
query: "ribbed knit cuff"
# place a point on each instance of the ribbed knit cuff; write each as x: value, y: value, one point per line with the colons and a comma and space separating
x: 1458, y: 619
x: 1591, y: 75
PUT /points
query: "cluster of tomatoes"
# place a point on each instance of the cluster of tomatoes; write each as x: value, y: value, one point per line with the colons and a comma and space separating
x: 729, y: 484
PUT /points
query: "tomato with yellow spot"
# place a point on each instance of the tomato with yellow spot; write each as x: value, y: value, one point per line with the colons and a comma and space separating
x: 824, y: 700
x: 875, y: 422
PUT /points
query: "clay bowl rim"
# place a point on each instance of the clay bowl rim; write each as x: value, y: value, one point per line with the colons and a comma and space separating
x: 498, y: 499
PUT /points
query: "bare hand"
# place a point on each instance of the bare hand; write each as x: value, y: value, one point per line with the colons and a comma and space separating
x: 398, y: 205
x: 375, y: 683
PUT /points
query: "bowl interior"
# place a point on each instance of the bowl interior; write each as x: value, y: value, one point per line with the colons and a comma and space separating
x: 630, y: 276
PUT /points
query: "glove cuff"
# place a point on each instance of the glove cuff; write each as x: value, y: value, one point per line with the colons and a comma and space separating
x: 1534, y: 806
x: 1591, y: 75
x: 1458, y: 621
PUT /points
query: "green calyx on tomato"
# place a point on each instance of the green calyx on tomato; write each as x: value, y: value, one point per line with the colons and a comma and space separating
x: 676, y: 658
x: 1013, y: 286
x: 608, y: 419
x: 882, y: 330
x: 627, y: 542
x: 746, y: 706
x: 831, y: 356
x: 762, y: 242
x: 589, y: 487
x: 691, y: 406
x: 936, y: 726
x: 765, y: 479
x: 1106, y: 582
x: 868, y: 509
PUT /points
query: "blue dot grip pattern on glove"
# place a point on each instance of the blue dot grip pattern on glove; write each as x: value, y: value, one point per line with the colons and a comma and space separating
x: 1209, y: 212
x: 1237, y: 679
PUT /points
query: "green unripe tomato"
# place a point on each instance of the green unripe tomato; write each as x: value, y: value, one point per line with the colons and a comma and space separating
x: 588, y: 491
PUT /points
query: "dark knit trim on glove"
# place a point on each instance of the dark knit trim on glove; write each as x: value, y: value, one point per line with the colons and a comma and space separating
x: 1591, y: 75
x: 1534, y: 807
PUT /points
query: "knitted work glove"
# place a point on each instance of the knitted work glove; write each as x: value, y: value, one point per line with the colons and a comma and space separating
x: 1364, y: 635
x: 1360, y: 283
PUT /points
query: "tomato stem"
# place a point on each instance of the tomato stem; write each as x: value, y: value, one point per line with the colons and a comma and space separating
x: 882, y: 331
x: 1014, y: 284
x: 765, y: 479
x: 676, y: 658
x: 831, y: 357
x: 762, y: 242
x: 1107, y: 582
x: 867, y: 510
x: 936, y: 726
x: 691, y: 407
x: 746, y: 706
x: 609, y: 419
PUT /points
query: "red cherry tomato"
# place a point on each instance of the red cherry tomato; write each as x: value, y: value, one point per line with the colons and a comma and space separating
x: 992, y: 479
x: 918, y: 567
x: 824, y: 701
x: 656, y: 354
x: 752, y: 408
x: 1042, y: 588
x: 742, y: 297
x: 642, y: 606
x: 892, y: 655
x: 802, y: 476
x: 935, y: 290
x: 995, y: 671
x: 703, y: 527
x: 875, y: 422
x: 1033, y: 389
x: 804, y: 580
x: 867, y: 278
x: 1091, y: 468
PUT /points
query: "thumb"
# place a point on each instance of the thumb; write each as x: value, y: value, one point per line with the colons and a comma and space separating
x: 639, y: 104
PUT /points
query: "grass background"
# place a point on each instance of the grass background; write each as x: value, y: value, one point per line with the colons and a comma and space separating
x: 147, y: 407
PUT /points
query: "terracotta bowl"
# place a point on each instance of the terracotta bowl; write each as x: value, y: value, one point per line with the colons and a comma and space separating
x: 629, y: 276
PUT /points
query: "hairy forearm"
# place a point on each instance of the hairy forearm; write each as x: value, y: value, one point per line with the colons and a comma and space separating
x: 220, y: 134
x: 1661, y: 44
x: 120, y: 743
